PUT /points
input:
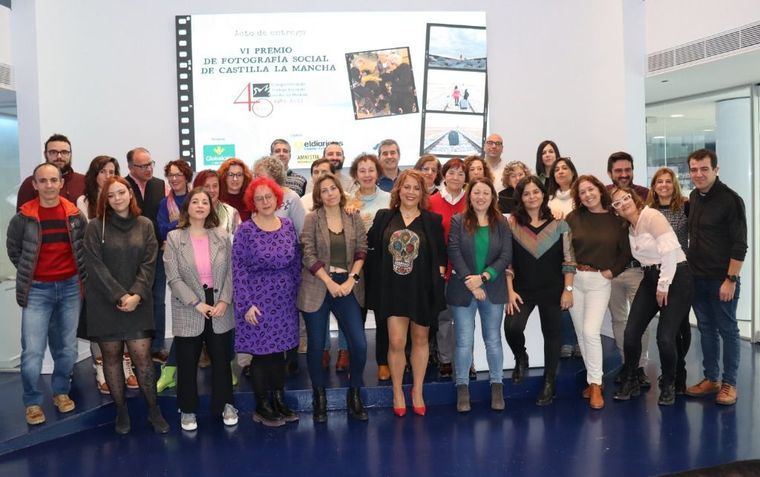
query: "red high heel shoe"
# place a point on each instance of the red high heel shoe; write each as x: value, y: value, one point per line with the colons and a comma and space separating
x: 399, y: 411
x: 419, y: 410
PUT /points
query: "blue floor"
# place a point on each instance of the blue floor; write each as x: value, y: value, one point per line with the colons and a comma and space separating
x: 633, y: 438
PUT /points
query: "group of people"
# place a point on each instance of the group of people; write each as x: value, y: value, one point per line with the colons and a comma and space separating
x: 247, y: 254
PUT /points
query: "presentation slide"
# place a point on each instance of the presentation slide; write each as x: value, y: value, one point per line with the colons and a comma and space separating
x: 313, y: 78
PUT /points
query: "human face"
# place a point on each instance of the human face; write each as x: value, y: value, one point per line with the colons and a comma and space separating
x: 591, y: 196
x: 177, y: 180
x: 212, y: 187
x: 664, y: 188
x: 234, y: 179
x: 548, y: 156
x: 282, y: 152
x: 320, y: 170
x: 532, y: 197
x: 108, y: 171
x: 480, y: 197
x: 366, y: 175
x: 118, y: 198
x: 410, y: 193
x: 563, y: 176
x: 494, y: 147
x: 329, y: 193
x: 515, y: 176
x: 702, y: 174
x: 48, y: 184
x: 265, y: 201
x: 622, y: 173
x: 454, y: 180
x: 429, y: 171
x: 624, y: 205
x: 476, y: 170
x: 58, y: 153
x: 142, y: 166
x: 334, y: 153
x: 199, y: 206
x: 389, y: 157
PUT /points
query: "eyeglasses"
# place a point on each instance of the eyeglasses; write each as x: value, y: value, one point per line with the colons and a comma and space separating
x: 263, y: 198
x: 494, y: 143
x: 175, y: 176
x: 623, y: 200
x: 53, y: 153
x: 235, y: 175
x: 147, y: 165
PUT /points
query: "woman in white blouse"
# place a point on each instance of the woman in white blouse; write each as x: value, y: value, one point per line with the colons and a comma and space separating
x: 667, y: 288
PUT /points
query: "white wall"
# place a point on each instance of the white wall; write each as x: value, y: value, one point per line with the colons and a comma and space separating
x: 5, y: 35
x: 568, y: 70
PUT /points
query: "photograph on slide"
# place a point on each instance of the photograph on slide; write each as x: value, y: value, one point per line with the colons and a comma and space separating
x: 455, y: 91
x: 381, y: 82
x: 449, y: 135
x: 456, y: 47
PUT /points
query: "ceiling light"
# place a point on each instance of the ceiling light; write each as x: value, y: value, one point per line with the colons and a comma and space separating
x: 676, y: 115
x: 708, y: 130
x: 658, y: 137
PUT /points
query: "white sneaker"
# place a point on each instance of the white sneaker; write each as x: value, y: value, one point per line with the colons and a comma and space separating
x: 188, y: 421
x: 230, y: 415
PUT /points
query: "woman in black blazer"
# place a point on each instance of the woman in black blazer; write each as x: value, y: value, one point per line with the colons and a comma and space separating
x: 406, y: 262
x: 480, y: 250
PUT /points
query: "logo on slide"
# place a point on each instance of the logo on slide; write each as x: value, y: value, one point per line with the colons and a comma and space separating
x: 215, y: 154
x: 254, y: 96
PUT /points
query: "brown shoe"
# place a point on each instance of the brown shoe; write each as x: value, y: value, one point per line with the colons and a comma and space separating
x: 383, y: 372
x: 341, y: 364
x: 34, y: 415
x: 726, y: 396
x: 587, y: 390
x: 703, y: 388
x: 160, y: 356
x: 129, y: 376
x: 325, y: 359
x: 63, y: 402
x: 596, y: 400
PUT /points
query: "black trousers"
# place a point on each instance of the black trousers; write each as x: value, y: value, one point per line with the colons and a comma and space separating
x: 188, y: 351
x: 645, y: 307
x: 267, y: 373
x: 551, y: 328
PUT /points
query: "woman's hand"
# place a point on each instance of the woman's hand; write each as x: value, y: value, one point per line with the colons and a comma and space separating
x: 334, y: 289
x: 558, y: 215
x: 473, y: 282
x: 479, y: 294
x: 204, y: 309
x: 352, y: 207
x: 219, y: 309
x: 607, y: 274
x: 347, y: 287
x: 514, y: 299
x: 662, y: 298
x: 128, y: 303
x: 566, y: 300
x: 252, y: 315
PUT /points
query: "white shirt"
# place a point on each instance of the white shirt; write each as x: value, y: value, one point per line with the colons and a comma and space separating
x: 653, y: 242
x: 561, y: 204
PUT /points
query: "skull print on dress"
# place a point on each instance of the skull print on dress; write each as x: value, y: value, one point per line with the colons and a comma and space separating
x: 404, y: 246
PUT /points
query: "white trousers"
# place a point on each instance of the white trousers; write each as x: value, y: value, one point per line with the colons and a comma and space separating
x: 591, y: 295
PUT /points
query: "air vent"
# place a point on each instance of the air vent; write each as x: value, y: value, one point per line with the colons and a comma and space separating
x: 751, y: 36
x: 660, y: 61
x: 6, y: 76
x: 723, y: 44
x: 689, y: 53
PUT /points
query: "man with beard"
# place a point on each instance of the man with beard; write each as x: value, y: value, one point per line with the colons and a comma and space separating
x: 280, y: 148
x: 57, y: 152
x: 493, y: 150
x: 334, y: 153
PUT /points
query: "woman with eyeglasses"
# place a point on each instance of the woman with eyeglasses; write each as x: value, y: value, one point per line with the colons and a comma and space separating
x: 513, y: 173
x: 431, y: 169
x: 234, y: 179
x: 667, y: 288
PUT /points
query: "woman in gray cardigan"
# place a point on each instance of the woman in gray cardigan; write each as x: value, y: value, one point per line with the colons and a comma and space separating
x: 120, y: 254
x: 480, y: 250
x: 198, y: 271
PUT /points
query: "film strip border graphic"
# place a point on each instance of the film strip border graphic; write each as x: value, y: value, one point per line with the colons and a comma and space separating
x: 185, y: 89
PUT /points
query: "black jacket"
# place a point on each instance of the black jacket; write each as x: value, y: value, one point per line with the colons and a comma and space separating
x: 155, y: 191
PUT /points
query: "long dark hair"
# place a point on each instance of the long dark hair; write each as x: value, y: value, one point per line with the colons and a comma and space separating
x: 211, y: 221
x: 91, y: 182
x: 493, y: 214
x: 521, y: 215
x: 551, y: 183
x: 540, y: 167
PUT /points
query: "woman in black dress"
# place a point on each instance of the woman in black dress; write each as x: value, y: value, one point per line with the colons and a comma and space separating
x: 407, y: 261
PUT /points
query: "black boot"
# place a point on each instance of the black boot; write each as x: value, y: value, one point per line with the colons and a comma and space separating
x: 320, y: 405
x: 265, y: 413
x: 548, y: 392
x: 355, y: 405
x: 667, y: 394
x: 160, y: 426
x: 278, y: 404
x: 630, y: 388
x: 521, y: 368
x: 680, y: 384
x: 122, y: 424
x: 641, y: 375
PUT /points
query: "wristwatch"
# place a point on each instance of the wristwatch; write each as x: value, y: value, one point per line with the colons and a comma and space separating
x: 569, y: 288
x: 732, y: 278
x: 483, y: 278
x: 356, y: 277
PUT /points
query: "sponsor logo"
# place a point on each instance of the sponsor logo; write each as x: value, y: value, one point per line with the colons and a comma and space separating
x: 215, y: 154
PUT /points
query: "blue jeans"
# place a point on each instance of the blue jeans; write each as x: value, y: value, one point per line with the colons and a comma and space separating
x: 342, y: 341
x: 159, y: 304
x: 346, y: 309
x: 717, y: 319
x: 464, y: 326
x: 49, y: 318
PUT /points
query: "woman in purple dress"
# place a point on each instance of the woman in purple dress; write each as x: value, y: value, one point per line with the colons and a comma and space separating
x: 266, y: 265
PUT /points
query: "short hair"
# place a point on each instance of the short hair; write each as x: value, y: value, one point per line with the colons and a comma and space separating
x: 628, y: 190
x: 469, y: 160
x: 58, y: 138
x: 386, y: 143
x: 316, y: 193
x: 678, y: 200
x: 104, y: 208
x: 39, y: 166
x: 493, y: 214
x: 551, y: 185
x: 521, y: 215
x: 276, y: 142
x: 606, y: 200
x: 618, y: 156
x: 211, y: 221
x: 248, y: 201
x: 91, y: 181
x: 225, y: 168
x: 364, y: 157
x: 203, y: 176
x: 333, y: 143
x: 131, y: 153
x: 319, y: 162
x: 430, y: 158
x: 540, y: 166
x: 453, y: 163
x: 700, y: 154
x: 273, y: 168
x: 416, y: 175
x: 183, y: 166
x: 510, y: 168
